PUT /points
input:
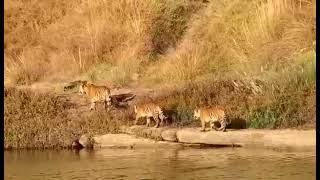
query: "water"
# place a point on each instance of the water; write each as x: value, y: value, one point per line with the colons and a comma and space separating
x: 221, y: 163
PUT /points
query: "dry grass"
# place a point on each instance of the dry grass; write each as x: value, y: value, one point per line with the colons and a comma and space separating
x: 241, y: 39
x: 71, y: 37
x: 41, y: 120
x: 225, y: 38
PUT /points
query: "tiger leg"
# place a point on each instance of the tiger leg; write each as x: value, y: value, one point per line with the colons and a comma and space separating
x: 107, y: 103
x: 161, y: 122
x: 163, y: 118
x: 136, y: 121
x: 156, y: 118
x: 212, y: 125
x: 148, y: 121
x: 93, y: 103
x: 223, y: 126
x: 203, y: 126
x: 106, y: 106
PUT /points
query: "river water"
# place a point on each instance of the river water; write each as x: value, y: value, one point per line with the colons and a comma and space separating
x: 160, y: 163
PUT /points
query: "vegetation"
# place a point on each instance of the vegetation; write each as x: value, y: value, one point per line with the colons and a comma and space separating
x: 254, y: 57
x: 50, y: 40
x: 42, y: 120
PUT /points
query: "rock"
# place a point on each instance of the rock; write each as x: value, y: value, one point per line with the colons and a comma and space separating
x: 232, y: 137
x: 194, y: 136
x: 120, y: 140
x: 249, y: 137
x: 169, y: 135
x: 125, y: 141
x: 121, y: 100
x: 143, y: 131
x: 85, y: 141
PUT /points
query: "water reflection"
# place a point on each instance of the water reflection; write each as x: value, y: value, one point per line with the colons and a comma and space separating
x: 160, y: 163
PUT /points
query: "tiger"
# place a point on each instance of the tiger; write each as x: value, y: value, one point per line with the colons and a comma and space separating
x: 96, y: 94
x: 212, y: 115
x: 149, y: 110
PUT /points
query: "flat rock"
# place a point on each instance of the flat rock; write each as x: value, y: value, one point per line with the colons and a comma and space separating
x: 126, y: 141
x: 279, y: 138
x: 170, y: 135
x: 143, y: 131
x: 250, y: 137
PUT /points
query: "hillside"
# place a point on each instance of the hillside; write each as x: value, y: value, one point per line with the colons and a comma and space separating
x: 256, y: 58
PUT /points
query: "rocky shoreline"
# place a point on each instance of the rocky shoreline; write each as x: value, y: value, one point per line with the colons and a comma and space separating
x: 141, y: 137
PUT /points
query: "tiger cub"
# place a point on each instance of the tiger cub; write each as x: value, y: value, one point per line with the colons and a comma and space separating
x: 149, y: 110
x: 212, y: 115
x: 96, y: 94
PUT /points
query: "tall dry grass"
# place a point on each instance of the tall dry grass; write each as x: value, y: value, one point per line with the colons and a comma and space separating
x: 72, y: 37
x: 242, y: 39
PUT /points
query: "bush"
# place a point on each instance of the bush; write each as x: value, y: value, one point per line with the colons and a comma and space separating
x: 49, y: 121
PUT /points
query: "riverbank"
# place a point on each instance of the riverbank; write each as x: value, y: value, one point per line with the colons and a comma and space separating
x: 37, y: 119
x: 140, y: 136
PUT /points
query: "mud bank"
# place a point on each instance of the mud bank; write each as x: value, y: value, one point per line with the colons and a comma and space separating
x: 140, y: 136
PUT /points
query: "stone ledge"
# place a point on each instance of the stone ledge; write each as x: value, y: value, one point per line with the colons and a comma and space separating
x: 250, y: 137
x: 192, y: 136
x: 127, y: 141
